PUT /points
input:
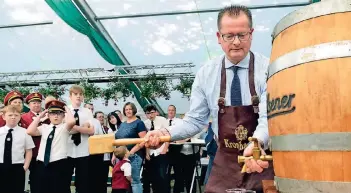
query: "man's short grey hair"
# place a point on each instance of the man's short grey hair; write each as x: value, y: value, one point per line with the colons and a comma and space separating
x: 234, y: 10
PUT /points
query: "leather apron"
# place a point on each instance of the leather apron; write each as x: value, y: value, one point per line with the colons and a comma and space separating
x: 236, y: 124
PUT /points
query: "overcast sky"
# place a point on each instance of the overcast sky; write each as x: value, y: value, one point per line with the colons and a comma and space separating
x: 148, y: 40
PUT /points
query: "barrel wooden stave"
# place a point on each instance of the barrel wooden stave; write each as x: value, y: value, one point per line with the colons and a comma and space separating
x: 322, y: 100
x: 312, y: 32
x: 315, y: 166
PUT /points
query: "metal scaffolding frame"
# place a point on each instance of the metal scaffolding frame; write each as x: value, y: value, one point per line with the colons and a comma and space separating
x: 96, y: 75
x: 25, y: 24
x: 282, y: 5
x: 101, y: 75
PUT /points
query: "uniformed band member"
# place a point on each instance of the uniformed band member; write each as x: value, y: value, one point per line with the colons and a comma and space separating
x: 34, y: 102
x: 78, y: 148
x: 15, y: 152
x: 52, y: 156
x: 14, y: 98
x: 232, y: 89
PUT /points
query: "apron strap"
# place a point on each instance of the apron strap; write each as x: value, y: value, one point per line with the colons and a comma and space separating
x: 223, y: 79
x: 254, y: 98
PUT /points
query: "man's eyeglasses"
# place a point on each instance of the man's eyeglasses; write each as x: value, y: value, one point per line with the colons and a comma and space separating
x: 151, y: 112
x: 243, y: 37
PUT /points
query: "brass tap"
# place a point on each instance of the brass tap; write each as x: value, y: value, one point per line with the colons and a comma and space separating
x: 256, y: 154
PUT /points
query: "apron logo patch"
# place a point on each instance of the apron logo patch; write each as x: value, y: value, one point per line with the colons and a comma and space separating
x: 280, y: 105
x: 241, y: 135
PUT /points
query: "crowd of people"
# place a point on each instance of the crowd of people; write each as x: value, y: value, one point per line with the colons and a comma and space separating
x: 231, y: 89
x: 53, y: 145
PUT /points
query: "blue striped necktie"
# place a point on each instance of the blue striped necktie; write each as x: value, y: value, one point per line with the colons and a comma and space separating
x: 235, y: 91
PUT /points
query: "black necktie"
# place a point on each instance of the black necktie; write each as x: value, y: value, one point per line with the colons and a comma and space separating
x: 235, y: 94
x: 152, y: 126
x: 37, y: 114
x: 170, y: 122
x: 76, y: 137
x: 48, y: 146
x: 8, y: 148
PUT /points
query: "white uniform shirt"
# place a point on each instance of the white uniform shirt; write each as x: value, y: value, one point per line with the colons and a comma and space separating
x: 99, y: 130
x: 159, y: 123
x: 21, y: 142
x: 82, y: 150
x: 59, y: 143
x: 127, y: 169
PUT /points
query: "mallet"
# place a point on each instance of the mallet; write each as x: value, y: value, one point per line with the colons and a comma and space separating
x: 99, y: 144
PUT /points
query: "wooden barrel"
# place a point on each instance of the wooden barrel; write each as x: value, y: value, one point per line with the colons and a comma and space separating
x: 309, y: 99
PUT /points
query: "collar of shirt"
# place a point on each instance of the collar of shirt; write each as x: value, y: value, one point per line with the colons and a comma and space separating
x: 51, y: 125
x: 242, y: 64
x: 35, y: 114
x: 8, y: 128
x: 71, y: 107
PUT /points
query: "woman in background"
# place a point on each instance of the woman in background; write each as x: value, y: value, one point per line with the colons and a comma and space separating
x: 133, y: 128
x: 113, y: 121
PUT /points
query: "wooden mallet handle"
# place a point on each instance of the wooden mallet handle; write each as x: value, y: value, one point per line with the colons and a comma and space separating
x: 99, y: 144
x: 131, y: 141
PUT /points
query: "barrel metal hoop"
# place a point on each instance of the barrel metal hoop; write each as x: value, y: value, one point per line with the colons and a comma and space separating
x: 330, y: 50
x: 322, y: 8
x: 312, y: 142
x: 287, y: 185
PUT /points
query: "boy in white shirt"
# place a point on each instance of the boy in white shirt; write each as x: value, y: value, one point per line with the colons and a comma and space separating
x: 15, y: 151
x: 156, y: 163
x: 52, y: 155
x: 78, y: 147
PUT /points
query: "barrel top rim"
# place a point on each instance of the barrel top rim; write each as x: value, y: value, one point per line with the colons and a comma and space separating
x: 324, y: 51
x: 311, y: 11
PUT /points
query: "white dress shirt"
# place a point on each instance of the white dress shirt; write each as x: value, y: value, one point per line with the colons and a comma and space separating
x: 187, y: 148
x: 159, y: 123
x: 82, y: 150
x: 205, y: 95
x: 127, y: 169
x: 21, y: 142
x: 59, y: 143
x: 99, y: 130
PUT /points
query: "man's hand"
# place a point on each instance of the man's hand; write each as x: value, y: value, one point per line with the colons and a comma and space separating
x: 152, y: 138
x: 253, y: 165
x: 43, y: 114
x: 25, y: 168
x: 87, y: 124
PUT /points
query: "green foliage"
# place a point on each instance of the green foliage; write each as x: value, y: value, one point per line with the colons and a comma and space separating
x: 3, y: 93
x: 23, y: 90
x: 91, y: 91
x: 154, y: 86
x: 185, y: 86
x: 52, y: 90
